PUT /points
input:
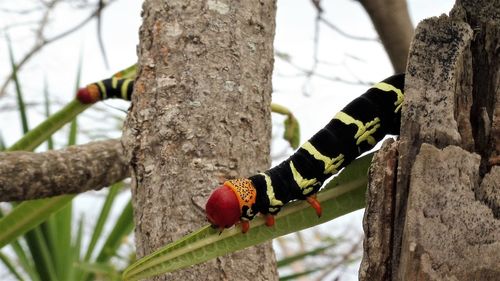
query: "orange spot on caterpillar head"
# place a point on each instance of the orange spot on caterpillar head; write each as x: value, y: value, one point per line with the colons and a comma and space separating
x: 223, y: 207
x: 89, y: 94
x: 244, y: 190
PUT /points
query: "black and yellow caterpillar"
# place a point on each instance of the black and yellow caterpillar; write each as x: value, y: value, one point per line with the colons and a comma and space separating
x: 113, y: 87
x: 352, y: 131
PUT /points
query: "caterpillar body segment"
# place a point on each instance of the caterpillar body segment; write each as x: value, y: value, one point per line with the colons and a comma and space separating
x: 354, y: 130
x: 113, y: 87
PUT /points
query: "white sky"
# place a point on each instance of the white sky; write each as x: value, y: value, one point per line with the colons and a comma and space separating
x: 58, y: 63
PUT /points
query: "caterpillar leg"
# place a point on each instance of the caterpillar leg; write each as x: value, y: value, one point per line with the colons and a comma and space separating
x: 220, y: 228
x: 269, y: 220
x: 245, y: 226
x: 315, y: 204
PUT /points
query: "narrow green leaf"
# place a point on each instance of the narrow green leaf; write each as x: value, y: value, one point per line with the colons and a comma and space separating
x: 76, y: 247
x: 38, y: 135
x: 22, y: 258
x: 10, y: 266
x: 62, y: 220
x: 102, y: 269
x: 122, y: 228
x: 73, y: 129
x: 129, y: 72
x: 103, y: 216
x: 28, y: 215
x: 295, y: 276
x: 292, y: 131
x: 291, y: 259
x: 19, y: 93
x: 292, y: 127
x: 41, y: 255
x: 2, y: 143
x: 50, y: 143
x: 343, y: 194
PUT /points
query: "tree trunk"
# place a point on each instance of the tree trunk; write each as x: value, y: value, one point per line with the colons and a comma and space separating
x: 200, y: 114
x: 443, y: 212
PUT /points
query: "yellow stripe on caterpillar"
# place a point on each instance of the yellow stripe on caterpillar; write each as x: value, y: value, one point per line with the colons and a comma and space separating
x: 104, y: 94
x: 124, y: 88
x: 331, y: 164
x: 273, y: 202
x: 365, y: 131
x: 306, y: 185
x: 114, y: 82
x: 388, y: 88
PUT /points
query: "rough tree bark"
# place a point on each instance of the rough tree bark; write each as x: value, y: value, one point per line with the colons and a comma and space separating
x: 441, y: 218
x: 392, y: 21
x: 29, y: 175
x: 200, y: 114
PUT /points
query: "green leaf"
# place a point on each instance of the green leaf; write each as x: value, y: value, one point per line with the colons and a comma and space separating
x: 73, y: 129
x: 10, y: 266
x: 50, y: 143
x: 19, y: 93
x: 38, y: 135
x: 129, y: 72
x: 76, y: 273
x: 103, y: 271
x: 282, y: 55
x: 289, y: 260
x: 295, y: 276
x: 41, y: 254
x: 103, y: 216
x: 122, y: 228
x: 343, y: 194
x: 22, y: 258
x: 2, y: 143
x: 28, y: 215
x: 58, y: 235
x: 292, y: 127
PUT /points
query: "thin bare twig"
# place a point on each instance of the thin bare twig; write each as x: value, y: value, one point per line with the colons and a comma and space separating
x: 307, y: 72
x: 20, y: 12
x: 42, y: 42
x: 345, y: 34
x: 345, y: 258
x: 101, y: 6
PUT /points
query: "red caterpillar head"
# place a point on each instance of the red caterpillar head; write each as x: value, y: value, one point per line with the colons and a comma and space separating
x: 224, y: 205
x: 89, y: 94
x: 223, y: 208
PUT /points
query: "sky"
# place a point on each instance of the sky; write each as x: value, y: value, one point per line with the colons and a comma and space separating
x: 314, y: 101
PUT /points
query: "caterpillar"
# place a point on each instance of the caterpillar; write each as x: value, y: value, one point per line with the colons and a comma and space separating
x: 114, y: 87
x: 355, y: 129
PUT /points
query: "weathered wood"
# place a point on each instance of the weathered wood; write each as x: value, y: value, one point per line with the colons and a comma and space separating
x: 449, y: 234
x: 379, y: 214
x: 200, y: 114
x: 446, y: 219
x: 75, y: 169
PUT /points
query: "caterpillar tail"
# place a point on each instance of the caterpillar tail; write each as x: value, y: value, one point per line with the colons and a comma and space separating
x: 113, y: 87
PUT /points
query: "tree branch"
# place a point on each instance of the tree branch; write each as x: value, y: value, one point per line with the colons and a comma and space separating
x: 392, y: 22
x: 29, y: 175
